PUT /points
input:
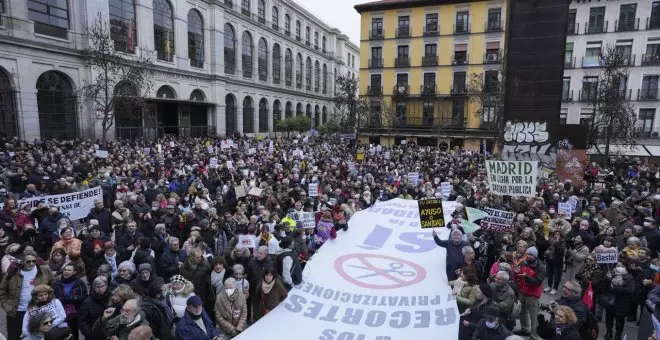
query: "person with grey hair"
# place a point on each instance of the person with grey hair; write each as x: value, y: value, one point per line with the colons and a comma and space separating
x: 228, y: 304
x: 92, y: 308
x: 159, y: 240
x: 126, y: 272
x: 504, y: 296
x: 172, y: 258
x: 120, y: 326
x: 571, y: 296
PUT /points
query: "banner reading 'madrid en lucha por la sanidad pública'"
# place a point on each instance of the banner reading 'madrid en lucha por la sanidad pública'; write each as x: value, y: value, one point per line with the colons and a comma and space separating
x: 383, y: 279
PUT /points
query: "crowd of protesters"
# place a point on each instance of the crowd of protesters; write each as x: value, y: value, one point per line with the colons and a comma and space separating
x: 158, y: 257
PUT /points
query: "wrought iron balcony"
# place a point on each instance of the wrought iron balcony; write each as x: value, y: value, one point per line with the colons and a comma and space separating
x: 492, y: 57
x: 623, y: 26
x: 460, y: 59
x: 594, y: 27
x: 403, y: 32
x: 458, y: 90
x: 430, y: 60
x: 567, y: 96
x: 401, y: 90
x: 376, y: 34
x: 651, y: 93
x: 376, y: 63
x: 493, y: 26
x: 573, y: 29
x: 653, y: 22
x: 427, y: 90
x: 462, y: 29
x: 650, y: 59
x: 402, y: 61
x: 569, y: 64
x: 374, y: 90
x: 587, y: 95
x: 431, y: 30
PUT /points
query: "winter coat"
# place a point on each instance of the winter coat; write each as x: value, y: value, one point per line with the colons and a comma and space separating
x: 103, y: 216
x: 504, y: 297
x: 231, y: 315
x: 179, y: 301
x: 255, y: 271
x: 484, y: 333
x: 112, y: 326
x: 455, y: 258
x: 559, y: 225
x: 54, y: 308
x: 568, y: 333
x: 74, y: 299
x: 467, y: 296
x: 10, y: 287
x: 91, y: 310
x: 72, y: 248
x: 141, y: 287
x: 48, y: 225
x: 623, y: 295
x: 532, y: 284
x: 201, y: 280
x: 187, y: 329
x: 169, y: 262
x: 157, y: 316
x: 579, y: 308
x: 577, y: 257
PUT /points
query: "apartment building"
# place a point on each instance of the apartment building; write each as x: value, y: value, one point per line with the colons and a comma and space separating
x: 417, y: 58
x: 634, y: 28
x: 219, y: 66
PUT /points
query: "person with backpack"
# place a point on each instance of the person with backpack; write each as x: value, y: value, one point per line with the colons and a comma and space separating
x: 288, y: 265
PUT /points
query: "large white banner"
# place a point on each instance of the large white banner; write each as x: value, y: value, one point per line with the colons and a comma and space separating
x: 513, y: 178
x: 383, y: 279
x: 74, y: 206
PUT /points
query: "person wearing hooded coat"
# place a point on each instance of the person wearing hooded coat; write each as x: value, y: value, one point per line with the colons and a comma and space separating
x: 145, y: 280
x: 92, y: 308
x: 157, y: 311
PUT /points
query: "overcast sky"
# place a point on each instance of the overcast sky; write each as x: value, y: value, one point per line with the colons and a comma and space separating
x: 337, y: 13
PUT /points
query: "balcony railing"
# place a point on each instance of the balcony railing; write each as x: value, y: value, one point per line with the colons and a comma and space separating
x: 594, y: 27
x: 493, y: 26
x: 374, y: 90
x: 259, y: 19
x: 629, y: 60
x: 430, y: 60
x: 592, y: 61
x: 622, y: 26
x: 403, y: 32
x: 649, y: 132
x: 427, y: 90
x: 245, y: 12
x: 401, y: 90
x: 492, y: 57
x: 460, y: 59
x: 587, y: 96
x: 402, y: 61
x: 573, y: 29
x: 626, y: 94
x: 648, y: 94
x: 287, y: 33
x: 567, y: 96
x: 653, y: 22
x: 275, y: 27
x: 431, y: 31
x: 308, y: 43
x: 650, y: 59
x: 376, y: 34
x: 569, y: 64
x: 462, y: 29
x: 288, y: 83
x: 376, y: 63
x: 458, y: 90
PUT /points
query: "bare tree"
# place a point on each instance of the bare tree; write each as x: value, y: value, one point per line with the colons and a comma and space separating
x: 351, y: 110
x: 118, y: 79
x: 487, y: 95
x: 613, y: 119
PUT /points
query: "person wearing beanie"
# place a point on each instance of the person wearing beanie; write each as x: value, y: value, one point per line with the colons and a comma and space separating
x: 158, y: 313
x: 530, y: 276
x: 179, y: 290
x: 471, y: 317
x: 92, y: 308
x: 145, y: 280
x: 490, y: 327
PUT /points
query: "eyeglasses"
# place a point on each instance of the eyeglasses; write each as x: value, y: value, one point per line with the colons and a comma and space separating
x: 30, y: 261
x: 47, y: 322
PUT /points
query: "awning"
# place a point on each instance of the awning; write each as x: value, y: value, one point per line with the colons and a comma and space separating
x: 622, y: 150
x: 654, y: 150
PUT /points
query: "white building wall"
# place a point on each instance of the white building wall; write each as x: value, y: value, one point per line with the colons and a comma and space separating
x: 640, y: 37
x: 25, y: 55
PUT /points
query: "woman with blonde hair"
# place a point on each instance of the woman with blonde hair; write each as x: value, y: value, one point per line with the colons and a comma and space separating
x: 565, y: 323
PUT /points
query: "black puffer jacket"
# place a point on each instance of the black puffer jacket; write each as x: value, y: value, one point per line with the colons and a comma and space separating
x: 623, y: 294
x: 91, y: 310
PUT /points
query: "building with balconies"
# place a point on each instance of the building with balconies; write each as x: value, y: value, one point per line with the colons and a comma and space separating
x: 634, y: 28
x: 219, y: 66
x: 417, y: 58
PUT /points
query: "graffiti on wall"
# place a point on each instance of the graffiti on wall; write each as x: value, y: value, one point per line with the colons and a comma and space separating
x: 570, y: 162
x: 529, y: 141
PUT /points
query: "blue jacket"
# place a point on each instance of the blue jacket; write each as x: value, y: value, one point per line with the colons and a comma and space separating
x: 455, y: 258
x: 169, y: 262
x: 187, y: 329
x: 49, y: 224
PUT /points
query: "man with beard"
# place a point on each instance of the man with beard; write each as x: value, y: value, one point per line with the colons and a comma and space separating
x: 198, y: 271
x: 121, y: 325
x: 102, y: 215
x: 128, y: 241
x: 157, y: 312
x: 196, y: 323
x: 145, y: 280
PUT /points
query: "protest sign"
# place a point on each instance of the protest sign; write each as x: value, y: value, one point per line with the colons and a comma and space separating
x: 230, y: 165
x: 565, y: 207
x: 386, y: 155
x: 246, y: 241
x: 359, y: 156
x: 608, y: 257
x: 574, y: 203
x: 413, y: 178
x: 147, y: 151
x: 498, y: 220
x: 313, y: 189
x: 240, y: 191
x: 445, y: 189
x: 252, y: 151
x: 213, y: 163
x: 255, y: 192
x: 469, y: 227
x: 514, y: 178
x: 351, y: 167
x: 74, y: 206
x: 379, y: 148
x: 430, y: 213
x: 306, y: 218
x: 474, y: 214
x: 209, y: 149
x: 101, y: 153
x: 171, y: 144
x: 260, y: 145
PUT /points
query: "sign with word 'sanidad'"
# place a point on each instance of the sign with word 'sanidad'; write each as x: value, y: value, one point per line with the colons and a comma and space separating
x: 513, y: 178
x: 430, y: 213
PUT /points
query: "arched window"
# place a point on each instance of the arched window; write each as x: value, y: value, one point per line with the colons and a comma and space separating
x: 317, y: 116
x: 263, y: 60
x: 307, y: 36
x: 324, y: 114
x: 245, y: 7
x: 163, y: 30
x: 288, y: 67
x: 8, y: 126
x: 197, y: 96
x: 299, y: 71
x: 247, y: 55
x: 299, y: 110
x: 308, y: 74
x: 298, y: 30
x: 261, y: 12
x: 287, y: 25
x: 230, y: 49
x: 288, y: 113
x: 56, y: 103
x: 277, y: 64
x: 195, y: 39
x: 122, y: 25
x: 248, y: 115
x: 50, y: 17
x: 334, y: 81
x: 230, y: 114
x: 263, y: 115
x: 166, y: 92
x: 275, y: 18
x: 277, y: 112
x: 325, y: 79
x: 308, y: 112
x: 316, y: 40
x: 323, y: 44
x: 317, y: 76
x: 126, y: 121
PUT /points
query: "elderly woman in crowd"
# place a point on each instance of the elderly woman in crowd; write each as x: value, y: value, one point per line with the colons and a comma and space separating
x: 231, y: 309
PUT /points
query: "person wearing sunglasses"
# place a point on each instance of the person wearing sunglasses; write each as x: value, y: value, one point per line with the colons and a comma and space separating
x: 43, y: 300
x: 16, y: 290
x: 40, y: 325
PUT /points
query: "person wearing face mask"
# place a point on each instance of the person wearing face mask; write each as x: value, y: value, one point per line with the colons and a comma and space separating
x: 652, y: 235
x: 196, y: 323
x: 489, y: 327
x: 616, y: 298
x: 158, y: 313
x: 231, y: 309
